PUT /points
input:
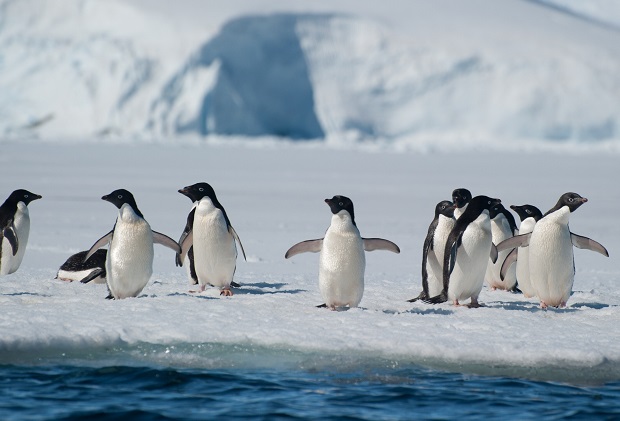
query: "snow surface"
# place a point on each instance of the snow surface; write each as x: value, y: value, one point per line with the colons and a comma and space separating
x: 273, y: 193
x: 416, y: 74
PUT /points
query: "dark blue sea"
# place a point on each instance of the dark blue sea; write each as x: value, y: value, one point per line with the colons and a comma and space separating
x: 113, y: 384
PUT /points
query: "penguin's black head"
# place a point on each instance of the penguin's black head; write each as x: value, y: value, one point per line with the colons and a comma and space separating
x: 527, y: 211
x: 338, y: 203
x: 198, y: 191
x: 22, y: 195
x: 120, y: 197
x: 572, y: 200
x: 479, y: 204
x: 445, y: 208
x: 496, y: 210
x: 461, y: 197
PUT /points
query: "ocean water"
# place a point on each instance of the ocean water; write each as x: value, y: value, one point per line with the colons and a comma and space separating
x: 149, y: 382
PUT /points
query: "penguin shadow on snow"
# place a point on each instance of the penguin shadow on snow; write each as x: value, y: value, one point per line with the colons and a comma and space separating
x: 264, y: 288
x: 433, y: 310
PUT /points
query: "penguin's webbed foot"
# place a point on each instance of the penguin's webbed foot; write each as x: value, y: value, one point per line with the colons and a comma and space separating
x: 226, y: 292
x: 474, y: 304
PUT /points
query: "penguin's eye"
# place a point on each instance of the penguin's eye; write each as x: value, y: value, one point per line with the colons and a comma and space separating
x: 200, y: 189
x: 341, y: 204
x: 528, y: 211
x: 120, y: 196
x: 25, y: 196
x: 570, y: 199
x: 489, y: 202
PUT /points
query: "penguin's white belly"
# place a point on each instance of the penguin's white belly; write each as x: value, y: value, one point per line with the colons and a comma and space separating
x: 341, y: 269
x: 10, y: 263
x: 67, y: 275
x: 523, y: 261
x: 215, y: 252
x: 471, y: 262
x: 552, y: 271
x: 434, y: 259
x: 129, y: 263
x: 500, y: 231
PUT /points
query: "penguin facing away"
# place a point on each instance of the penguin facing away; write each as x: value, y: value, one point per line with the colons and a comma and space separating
x: 342, y: 262
x: 551, y: 260
x: 503, y: 226
x: 528, y: 215
x: 76, y: 269
x: 467, y: 252
x: 14, y: 229
x: 129, y: 261
x: 461, y: 198
x: 212, y: 238
x: 433, y: 249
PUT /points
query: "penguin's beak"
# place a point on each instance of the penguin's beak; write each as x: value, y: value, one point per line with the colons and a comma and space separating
x: 36, y: 196
x: 583, y: 200
x: 106, y: 198
x: 513, y: 207
x: 184, y: 191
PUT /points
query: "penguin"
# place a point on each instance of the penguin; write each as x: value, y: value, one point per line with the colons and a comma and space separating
x: 76, y: 269
x: 341, y: 261
x: 461, y: 198
x: 552, y: 264
x: 129, y: 261
x: 467, y: 252
x: 503, y: 226
x: 189, y: 260
x: 528, y: 215
x: 433, y: 249
x: 212, y: 238
x: 14, y: 229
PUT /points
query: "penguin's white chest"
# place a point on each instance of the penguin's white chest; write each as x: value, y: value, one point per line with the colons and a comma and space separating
x: 21, y: 222
x: 215, y: 252
x: 552, y: 270
x: 467, y: 277
x: 129, y: 263
x: 342, y: 264
x: 500, y: 231
x: 523, y: 260
x: 434, y: 259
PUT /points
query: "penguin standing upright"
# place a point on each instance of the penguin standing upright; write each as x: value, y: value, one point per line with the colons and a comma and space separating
x: 129, y: 261
x: 503, y: 226
x: 212, y: 238
x: 467, y: 252
x: 433, y: 249
x: 461, y: 198
x: 14, y: 229
x: 552, y: 265
x: 529, y: 215
x: 342, y: 262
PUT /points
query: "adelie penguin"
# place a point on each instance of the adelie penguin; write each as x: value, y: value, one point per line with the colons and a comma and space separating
x: 503, y: 226
x: 213, y: 239
x: 14, y: 229
x: 461, y: 198
x: 341, y: 261
x: 91, y: 270
x: 129, y: 261
x: 528, y: 215
x: 467, y: 252
x: 433, y: 249
x: 194, y: 195
x: 552, y: 265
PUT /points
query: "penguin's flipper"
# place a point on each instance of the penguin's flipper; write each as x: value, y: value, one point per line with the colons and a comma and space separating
x: 9, y: 234
x: 371, y: 244
x: 236, y: 237
x: 522, y: 240
x: 423, y: 296
x: 188, y: 227
x: 322, y: 306
x: 493, y: 253
x: 95, y: 273
x: 188, y: 241
x: 98, y: 244
x: 508, y: 261
x: 233, y: 284
x: 166, y: 241
x: 308, y: 246
x: 588, y: 243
